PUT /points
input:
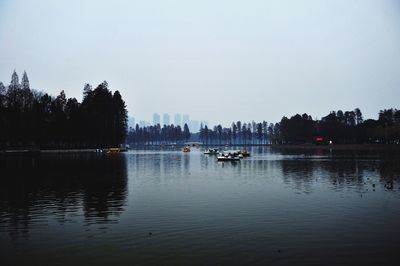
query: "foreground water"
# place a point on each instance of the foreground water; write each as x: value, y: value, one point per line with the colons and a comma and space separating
x: 166, y: 207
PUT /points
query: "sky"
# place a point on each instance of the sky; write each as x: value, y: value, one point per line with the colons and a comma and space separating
x: 220, y: 61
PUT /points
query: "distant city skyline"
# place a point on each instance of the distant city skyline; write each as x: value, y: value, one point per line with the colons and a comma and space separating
x: 166, y: 119
x: 156, y: 119
x: 179, y: 120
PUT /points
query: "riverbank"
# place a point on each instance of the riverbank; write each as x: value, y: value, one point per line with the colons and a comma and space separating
x: 349, y: 147
x: 309, y: 146
x: 56, y: 151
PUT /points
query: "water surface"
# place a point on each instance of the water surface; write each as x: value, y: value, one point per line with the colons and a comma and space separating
x: 277, y: 207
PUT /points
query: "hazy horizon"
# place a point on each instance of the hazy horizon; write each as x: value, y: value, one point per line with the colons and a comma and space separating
x: 220, y: 62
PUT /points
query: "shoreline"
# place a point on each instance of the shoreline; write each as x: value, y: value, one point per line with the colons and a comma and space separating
x: 349, y: 147
x: 47, y: 151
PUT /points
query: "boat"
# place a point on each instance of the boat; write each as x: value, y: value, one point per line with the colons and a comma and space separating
x: 186, y: 149
x: 245, y: 153
x: 113, y: 151
x: 229, y: 156
x: 240, y: 153
x: 211, y: 151
x: 234, y: 153
x: 223, y: 158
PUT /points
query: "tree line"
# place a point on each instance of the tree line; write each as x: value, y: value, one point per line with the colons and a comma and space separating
x: 152, y: 135
x: 343, y: 127
x: 29, y: 117
x: 238, y: 133
x: 347, y: 127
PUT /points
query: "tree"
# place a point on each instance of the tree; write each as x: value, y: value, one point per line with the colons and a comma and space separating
x: 87, y: 89
x: 13, y: 93
x: 234, y: 132
x: 2, y: 95
x: 25, y: 82
x: 359, y: 118
x: 239, y: 133
x: 186, y: 132
x: 265, y: 131
x: 121, y: 119
x: 2, y: 88
x: 271, y: 135
x: 350, y: 118
x: 201, y: 133
x: 206, y: 133
x: 28, y: 117
x: 259, y: 132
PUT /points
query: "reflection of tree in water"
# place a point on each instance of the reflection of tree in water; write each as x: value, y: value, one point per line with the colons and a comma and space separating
x: 32, y: 189
x: 389, y: 169
x: 300, y: 172
x: 186, y: 161
x: 341, y: 173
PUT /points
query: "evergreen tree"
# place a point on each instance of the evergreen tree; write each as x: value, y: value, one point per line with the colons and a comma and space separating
x: 13, y: 92
x: 121, y: 118
x: 2, y: 88
x: 359, y: 118
x: 25, y: 82
x: 186, y: 132
x: 87, y: 89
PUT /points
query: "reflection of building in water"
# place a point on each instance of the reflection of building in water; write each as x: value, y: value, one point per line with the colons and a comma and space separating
x: 61, y: 185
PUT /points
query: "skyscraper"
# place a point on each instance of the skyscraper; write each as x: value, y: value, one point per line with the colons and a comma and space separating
x: 156, y: 119
x: 178, y: 120
x: 194, y: 126
x: 142, y: 123
x: 131, y: 122
x: 166, y: 119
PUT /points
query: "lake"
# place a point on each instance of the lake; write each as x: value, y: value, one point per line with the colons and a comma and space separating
x: 149, y: 207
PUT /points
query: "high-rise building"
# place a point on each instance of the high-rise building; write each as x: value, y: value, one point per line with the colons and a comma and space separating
x: 178, y: 120
x: 142, y: 123
x: 185, y: 120
x: 156, y: 119
x: 131, y: 122
x: 194, y: 126
x: 166, y: 120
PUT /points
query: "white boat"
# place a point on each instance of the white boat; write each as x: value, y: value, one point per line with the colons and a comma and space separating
x: 222, y: 158
x: 228, y: 156
x: 211, y: 151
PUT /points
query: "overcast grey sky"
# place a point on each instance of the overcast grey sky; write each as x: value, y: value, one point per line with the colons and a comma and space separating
x: 215, y: 60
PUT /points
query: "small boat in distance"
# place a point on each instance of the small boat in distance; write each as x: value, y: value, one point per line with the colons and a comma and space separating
x: 113, y: 151
x: 229, y: 156
x: 211, y: 151
x: 223, y: 158
x: 245, y: 153
x: 186, y: 149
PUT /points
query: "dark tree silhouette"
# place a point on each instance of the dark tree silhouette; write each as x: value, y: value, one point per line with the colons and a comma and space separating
x: 32, y: 118
x: 156, y: 135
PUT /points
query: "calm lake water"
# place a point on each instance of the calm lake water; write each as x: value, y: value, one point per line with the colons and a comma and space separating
x: 278, y: 207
